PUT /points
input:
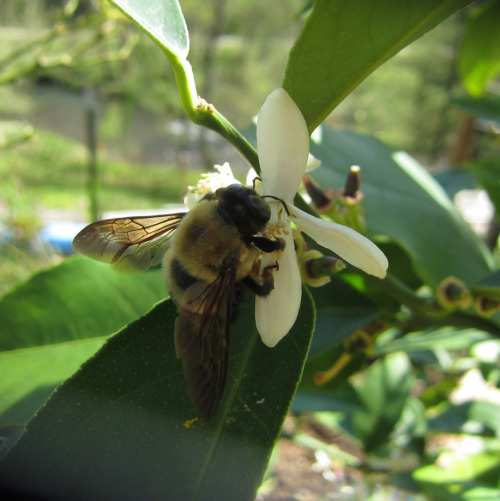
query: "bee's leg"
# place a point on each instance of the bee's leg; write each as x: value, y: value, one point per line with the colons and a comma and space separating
x: 268, y: 245
x: 265, y: 284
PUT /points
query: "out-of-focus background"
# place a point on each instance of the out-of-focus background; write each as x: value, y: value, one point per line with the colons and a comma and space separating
x: 91, y: 126
x: 91, y: 122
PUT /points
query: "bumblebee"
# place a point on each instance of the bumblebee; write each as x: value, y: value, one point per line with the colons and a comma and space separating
x: 209, y: 254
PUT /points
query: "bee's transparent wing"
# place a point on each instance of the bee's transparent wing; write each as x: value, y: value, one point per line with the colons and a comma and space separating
x: 202, y: 339
x: 128, y: 244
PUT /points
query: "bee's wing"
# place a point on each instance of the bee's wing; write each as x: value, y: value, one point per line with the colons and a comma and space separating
x: 202, y: 339
x: 128, y: 244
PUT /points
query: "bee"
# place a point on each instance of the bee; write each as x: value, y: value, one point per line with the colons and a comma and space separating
x: 209, y: 255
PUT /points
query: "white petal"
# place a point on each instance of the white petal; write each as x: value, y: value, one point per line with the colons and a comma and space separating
x: 344, y: 241
x: 275, y: 314
x: 312, y: 163
x: 282, y: 144
x: 191, y: 199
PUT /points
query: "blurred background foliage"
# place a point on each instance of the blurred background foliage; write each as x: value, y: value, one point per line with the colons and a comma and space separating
x: 91, y: 122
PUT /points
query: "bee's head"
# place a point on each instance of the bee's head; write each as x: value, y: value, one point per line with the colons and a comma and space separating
x: 247, y: 210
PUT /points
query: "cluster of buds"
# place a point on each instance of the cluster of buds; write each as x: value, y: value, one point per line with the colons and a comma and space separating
x: 342, y: 206
x: 453, y: 294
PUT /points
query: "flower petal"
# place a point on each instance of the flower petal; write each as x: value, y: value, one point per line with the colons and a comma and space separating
x: 344, y: 241
x: 276, y: 313
x: 282, y: 144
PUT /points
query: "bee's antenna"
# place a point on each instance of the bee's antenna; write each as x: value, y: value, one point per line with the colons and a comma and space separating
x: 279, y: 200
x: 255, y: 179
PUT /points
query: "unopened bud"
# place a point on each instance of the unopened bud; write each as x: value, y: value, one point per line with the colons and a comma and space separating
x: 316, y: 269
x: 486, y: 306
x: 353, y: 182
x: 321, y: 199
x: 453, y: 293
x: 359, y: 341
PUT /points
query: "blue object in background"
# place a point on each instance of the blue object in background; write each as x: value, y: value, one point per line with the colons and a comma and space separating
x: 60, y: 235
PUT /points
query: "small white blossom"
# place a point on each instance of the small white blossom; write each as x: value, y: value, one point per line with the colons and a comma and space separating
x: 210, y: 183
x: 283, y: 147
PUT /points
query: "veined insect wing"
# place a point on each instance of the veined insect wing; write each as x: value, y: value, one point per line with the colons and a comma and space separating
x: 129, y: 244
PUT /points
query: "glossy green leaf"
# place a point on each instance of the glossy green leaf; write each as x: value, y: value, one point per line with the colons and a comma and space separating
x: 162, y: 20
x: 343, y: 42
x: 28, y: 376
x: 384, y: 391
x: 57, y: 319
x: 77, y: 299
x: 118, y: 429
x: 404, y: 202
x: 479, y: 59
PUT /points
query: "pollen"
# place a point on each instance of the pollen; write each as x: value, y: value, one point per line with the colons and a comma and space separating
x: 190, y: 423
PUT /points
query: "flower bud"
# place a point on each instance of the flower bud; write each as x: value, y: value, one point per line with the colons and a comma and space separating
x: 358, y: 342
x: 322, y: 199
x: 452, y: 293
x: 486, y: 306
x: 316, y: 269
x: 353, y: 182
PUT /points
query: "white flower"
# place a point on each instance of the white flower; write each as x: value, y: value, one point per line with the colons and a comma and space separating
x: 283, y: 147
x: 210, y: 183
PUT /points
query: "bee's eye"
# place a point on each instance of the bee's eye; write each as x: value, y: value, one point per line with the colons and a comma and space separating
x: 259, y: 207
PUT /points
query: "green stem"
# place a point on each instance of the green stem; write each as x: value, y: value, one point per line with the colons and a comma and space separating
x: 202, y: 113
x: 218, y: 123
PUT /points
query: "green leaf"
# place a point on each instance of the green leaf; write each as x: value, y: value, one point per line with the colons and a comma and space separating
x: 343, y: 42
x: 58, y: 318
x: 404, y: 202
x: 479, y: 60
x: 460, y: 475
x: 487, y: 171
x: 340, y: 310
x: 455, y: 418
x: 385, y: 390
x: 162, y: 20
x: 445, y: 338
x: 455, y: 180
x: 487, y: 107
x: 77, y: 299
x: 327, y: 399
x: 116, y: 429
x: 28, y: 376
x: 488, y: 414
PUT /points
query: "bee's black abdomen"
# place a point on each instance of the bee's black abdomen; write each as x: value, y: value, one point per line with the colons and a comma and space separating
x: 182, y: 278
